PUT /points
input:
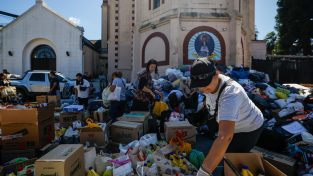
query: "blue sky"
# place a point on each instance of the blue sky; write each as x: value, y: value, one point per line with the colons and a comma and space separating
x: 88, y: 13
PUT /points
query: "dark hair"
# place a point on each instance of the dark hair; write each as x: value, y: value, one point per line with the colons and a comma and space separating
x: 1, y: 74
x: 150, y: 62
x: 172, y: 100
x: 53, y: 73
x: 79, y: 74
x: 117, y: 74
x: 5, y: 71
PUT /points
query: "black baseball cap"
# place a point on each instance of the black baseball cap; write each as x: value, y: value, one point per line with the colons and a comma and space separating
x: 202, y: 72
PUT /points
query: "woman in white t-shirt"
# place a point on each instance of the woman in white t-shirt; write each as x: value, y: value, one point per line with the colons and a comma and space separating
x: 82, y: 90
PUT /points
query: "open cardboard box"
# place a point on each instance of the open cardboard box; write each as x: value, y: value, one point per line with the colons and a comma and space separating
x: 234, y: 161
x: 27, y: 128
x: 285, y: 163
x: 66, y: 159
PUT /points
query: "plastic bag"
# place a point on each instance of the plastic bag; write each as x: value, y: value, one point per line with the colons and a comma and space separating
x: 90, y: 157
x: 143, y: 170
x: 148, y: 139
x: 158, y: 108
x: 175, y: 117
x: 134, y: 145
x: 102, y: 162
x: 77, y: 124
x: 105, y: 94
x: 70, y: 132
x: 123, y: 170
x: 116, y: 95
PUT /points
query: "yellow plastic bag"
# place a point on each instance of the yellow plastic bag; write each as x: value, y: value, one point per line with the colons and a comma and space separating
x: 158, y: 108
x: 91, y: 124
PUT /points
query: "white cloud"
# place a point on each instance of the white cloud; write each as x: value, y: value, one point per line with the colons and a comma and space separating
x: 74, y: 20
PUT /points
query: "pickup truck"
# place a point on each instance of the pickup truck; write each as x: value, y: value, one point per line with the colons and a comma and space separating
x: 37, y: 83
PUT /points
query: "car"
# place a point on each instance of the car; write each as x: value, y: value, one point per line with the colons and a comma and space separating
x: 36, y: 82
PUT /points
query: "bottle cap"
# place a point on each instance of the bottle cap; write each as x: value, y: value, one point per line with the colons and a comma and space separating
x: 245, y: 167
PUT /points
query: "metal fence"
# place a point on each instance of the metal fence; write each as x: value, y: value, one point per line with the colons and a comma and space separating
x: 286, y: 69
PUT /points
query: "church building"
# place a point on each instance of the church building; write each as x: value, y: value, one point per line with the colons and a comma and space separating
x: 175, y: 32
x: 40, y: 39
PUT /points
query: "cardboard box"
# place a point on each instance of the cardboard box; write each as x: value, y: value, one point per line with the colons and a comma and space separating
x: 138, y: 117
x: 101, y: 116
x: 234, y: 161
x: 97, y: 136
x: 125, y: 132
x: 188, y: 130
x: 41, y: 99
x: 56, y: 100
x: 66, y: 159
x: 285, y: 163
x: 67, y: 118
x: 27, y: 128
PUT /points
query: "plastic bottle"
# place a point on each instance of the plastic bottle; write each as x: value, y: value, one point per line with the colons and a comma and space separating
x: 92, y: 172
x: 245, y: 171
x: 108, y: 171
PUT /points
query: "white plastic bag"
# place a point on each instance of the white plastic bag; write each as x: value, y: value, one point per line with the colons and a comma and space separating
x: 176, y: 117
x: 70, y: 132
x: 123, y: 170
x: 116, y: 95
x: 134, y: 145
x: 105, y: 94
x: 101, y: 163
x: 148, y: 139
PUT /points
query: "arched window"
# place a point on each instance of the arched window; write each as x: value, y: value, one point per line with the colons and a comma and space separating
x: 43, y: 58
x: 43, y: 52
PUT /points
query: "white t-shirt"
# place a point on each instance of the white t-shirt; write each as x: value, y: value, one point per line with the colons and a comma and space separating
x: 85, y: 93
x: 235, y: 105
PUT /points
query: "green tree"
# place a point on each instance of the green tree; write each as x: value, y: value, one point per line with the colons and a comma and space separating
x: 270, y: 42
x: 294, y: 23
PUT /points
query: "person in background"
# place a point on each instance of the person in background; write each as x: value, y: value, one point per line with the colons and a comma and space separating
x: 8, y: 75
x: 240, y: 122
x: 54, y: 84
x: 175, y: 101
x: 3, y: 84
x: 145, y: 93
x: 117, y: 107
x: 82, y: 90
x: 3, y: 80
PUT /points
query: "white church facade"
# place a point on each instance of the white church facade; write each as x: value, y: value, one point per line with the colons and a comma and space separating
x: 40, y: 39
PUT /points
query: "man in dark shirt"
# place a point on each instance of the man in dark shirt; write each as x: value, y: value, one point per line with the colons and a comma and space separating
x: 54, y: 84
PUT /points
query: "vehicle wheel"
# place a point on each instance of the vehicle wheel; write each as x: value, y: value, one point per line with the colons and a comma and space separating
x: 20, y: 95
